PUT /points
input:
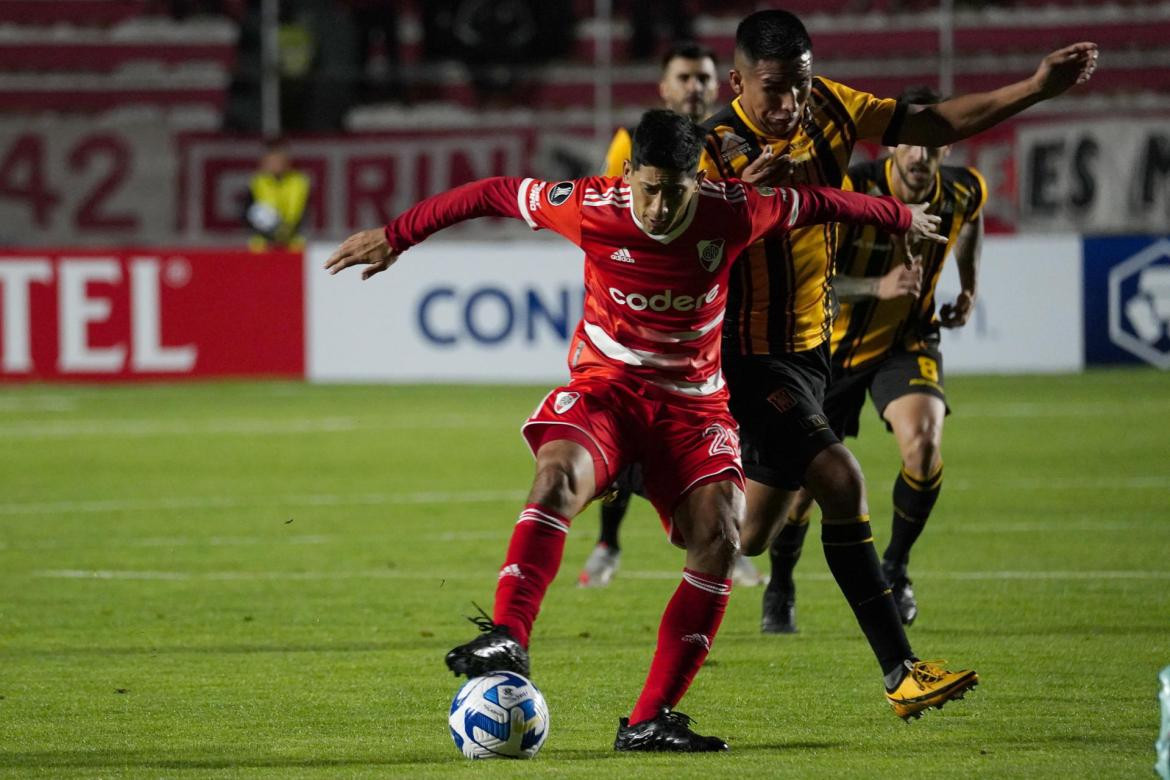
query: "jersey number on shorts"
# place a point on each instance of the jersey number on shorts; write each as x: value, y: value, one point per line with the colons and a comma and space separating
x: 928, y: 368
x: 723, y: 441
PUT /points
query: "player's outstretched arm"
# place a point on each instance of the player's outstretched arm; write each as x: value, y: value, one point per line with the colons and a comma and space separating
x: 379, y: 248
x: 964, y: 116
x: 816, y: 205
x: 369, y: 247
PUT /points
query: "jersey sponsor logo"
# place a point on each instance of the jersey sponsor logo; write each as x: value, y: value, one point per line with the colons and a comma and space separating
x: 564, y: 402
x: 723, y: 441
x: 710, y: 254
x: 664, y: 300
x: 622, y: 256
x: 534, y: 195
x: 814, y: 422
x: 782, y: 400
x: 732, y: 146
x: 560, y: 192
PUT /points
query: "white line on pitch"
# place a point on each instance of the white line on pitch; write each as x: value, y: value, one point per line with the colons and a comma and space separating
x: 33, y: 403
x: 1057, y: 409
x: 241, y: 426
x: 284, y: 501
x: 400, y: 574
x: 1141, y: 482
x: 249, y: 426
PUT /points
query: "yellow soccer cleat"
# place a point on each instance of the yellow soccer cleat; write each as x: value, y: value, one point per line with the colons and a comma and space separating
x: 927, y: 684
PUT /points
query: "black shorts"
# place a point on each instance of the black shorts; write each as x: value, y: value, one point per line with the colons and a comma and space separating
x: 778, y: 401
x: 898, y: 374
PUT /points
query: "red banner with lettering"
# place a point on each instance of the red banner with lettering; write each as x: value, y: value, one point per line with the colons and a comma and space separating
x: 130, y: 314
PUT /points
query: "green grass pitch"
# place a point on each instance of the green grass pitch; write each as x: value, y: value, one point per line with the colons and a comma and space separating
x: 223, y: 580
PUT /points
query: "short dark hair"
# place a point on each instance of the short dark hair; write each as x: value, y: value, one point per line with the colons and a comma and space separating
x: 665, y: 139
x: 772, y: 35
x: 689, y: 50
x: 920, y: 95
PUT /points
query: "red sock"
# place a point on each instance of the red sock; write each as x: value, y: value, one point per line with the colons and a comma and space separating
x: 534, y: 556
x: 684, y: 638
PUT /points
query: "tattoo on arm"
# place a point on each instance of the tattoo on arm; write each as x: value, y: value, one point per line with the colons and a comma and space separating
x: 855, y: 288
x: 968, y: 248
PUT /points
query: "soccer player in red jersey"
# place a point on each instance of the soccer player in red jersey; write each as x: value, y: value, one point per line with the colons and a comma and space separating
x: 645, y: 382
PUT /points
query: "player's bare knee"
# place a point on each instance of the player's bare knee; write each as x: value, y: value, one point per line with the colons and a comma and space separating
x: 836, y: 482
x: 712, y: 516
x: 715, y: 544
x: 558, y: 487
x: 924, y: 454
x: 756, y: 532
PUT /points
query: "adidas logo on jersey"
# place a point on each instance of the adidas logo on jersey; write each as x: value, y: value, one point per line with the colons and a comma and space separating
x: 622, y: 256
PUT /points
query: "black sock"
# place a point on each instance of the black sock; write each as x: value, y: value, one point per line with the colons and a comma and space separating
x: 853, y: 561
x: 913, y: 500
x: 785, y: 552
x: 612, y: 512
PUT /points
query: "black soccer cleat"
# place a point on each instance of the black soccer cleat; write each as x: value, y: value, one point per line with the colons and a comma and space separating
x: 779, y: 614
x: 494, y: 650
x: 670, y: 732
x: 902, y: 592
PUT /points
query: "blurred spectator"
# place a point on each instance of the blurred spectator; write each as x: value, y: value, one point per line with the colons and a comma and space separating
x: 376, y: 50
x: 499, y: 41
x: 316, y: 39
x: 650, y: 18
x: 276, y: 202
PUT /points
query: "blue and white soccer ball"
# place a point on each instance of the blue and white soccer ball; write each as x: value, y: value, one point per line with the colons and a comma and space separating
x: 499, y: 715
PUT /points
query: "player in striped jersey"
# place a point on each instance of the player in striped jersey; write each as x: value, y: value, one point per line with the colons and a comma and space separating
x: 689, y: 86
x: 886, y: 337
x: 788, y: 125
x: 645, y: 383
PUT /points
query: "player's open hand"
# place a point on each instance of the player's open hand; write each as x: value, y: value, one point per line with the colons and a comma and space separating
x: 901, y: 281
x: 368, y: 248
x: 955, y: 315
x: 923, y: 227
x: 1065, y: 67
x: 769, y: 169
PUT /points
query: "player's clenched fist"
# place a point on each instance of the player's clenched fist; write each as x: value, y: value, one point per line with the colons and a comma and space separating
x: 369, y: 247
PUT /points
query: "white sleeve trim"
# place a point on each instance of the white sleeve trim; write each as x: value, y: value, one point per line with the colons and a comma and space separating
x: 795, y: 207
x: 522, y: 202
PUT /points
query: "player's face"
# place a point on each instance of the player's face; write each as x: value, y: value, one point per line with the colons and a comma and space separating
x: 773, y: 93
x: 918, y: 165
x: 660, y: 195
x: 689, y: 87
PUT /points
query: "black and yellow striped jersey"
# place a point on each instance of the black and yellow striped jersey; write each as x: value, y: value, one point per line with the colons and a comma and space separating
x: 869, y: 329
x: 779, y: 297
x: 620, y: 150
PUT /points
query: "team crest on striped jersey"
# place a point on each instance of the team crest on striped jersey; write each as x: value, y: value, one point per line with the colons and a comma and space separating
x: 710, y: 254
x: 560, y: 192
x: 733, y: 146
x: 564, y: 402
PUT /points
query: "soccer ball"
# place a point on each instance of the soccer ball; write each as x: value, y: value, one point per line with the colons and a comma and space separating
x: 499, y: 715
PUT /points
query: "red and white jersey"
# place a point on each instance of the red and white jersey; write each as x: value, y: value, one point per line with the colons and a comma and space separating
x: 653, y: 303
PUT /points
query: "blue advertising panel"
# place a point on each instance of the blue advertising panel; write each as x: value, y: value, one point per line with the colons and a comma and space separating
x: 1127, y: 300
